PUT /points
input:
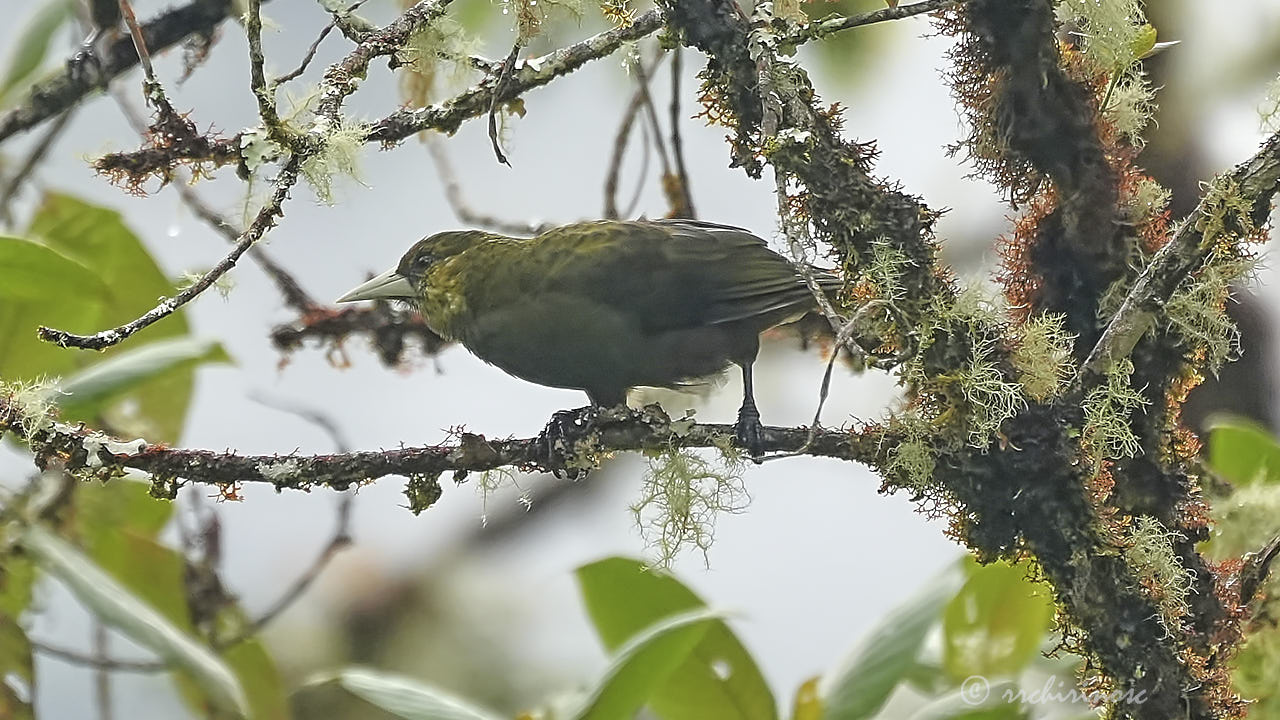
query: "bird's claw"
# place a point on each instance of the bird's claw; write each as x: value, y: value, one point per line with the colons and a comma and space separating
x: 559, y: 439
x: 749, y: 433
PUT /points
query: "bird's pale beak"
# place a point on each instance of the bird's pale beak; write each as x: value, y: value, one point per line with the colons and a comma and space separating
x: 389, y: 284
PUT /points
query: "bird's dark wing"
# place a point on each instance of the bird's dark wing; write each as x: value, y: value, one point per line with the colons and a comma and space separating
x: 665, y: 274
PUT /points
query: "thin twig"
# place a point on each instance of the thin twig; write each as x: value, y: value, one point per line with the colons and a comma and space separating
x: 830, y: 26
x: 99, y: 663
x: 265, y: 94
x: 447, y: 116
x: 306, y: 59
x: 100, y: 642
x: 453, y: 194
x: 620, y: 142
x: 651, y: 111
x: 264, y: 221
x: 500, y: 84
x: 33, y: 159
x: 614, y: 172
x: 315, y: 46
x: 139, y: 44
x: 293, y: 293
x: 677, y: 145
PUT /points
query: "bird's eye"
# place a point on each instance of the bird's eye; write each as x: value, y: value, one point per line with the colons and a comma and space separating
x: 423, y: 262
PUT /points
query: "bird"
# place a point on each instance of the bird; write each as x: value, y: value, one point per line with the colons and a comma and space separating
x: 605, y: 306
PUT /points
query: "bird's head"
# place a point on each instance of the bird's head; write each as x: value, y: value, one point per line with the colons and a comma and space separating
x: 407, y: 279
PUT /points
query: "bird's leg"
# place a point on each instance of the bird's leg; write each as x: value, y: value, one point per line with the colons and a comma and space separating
x: 560, y: 437
x: 748, y: 431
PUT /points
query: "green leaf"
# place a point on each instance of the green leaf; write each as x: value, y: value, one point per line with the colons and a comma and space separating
x: 719, y: 679
x: 995, y: 624
x: 405, y: 697
x: 976, y: 700
x: 42, y: 287
x: 17, y: 576
x: 33, y: 44
x: 17, y: 669
x: 97, y: 238
x: 260, y: 678
x: 859, y: 687
x: 115, y: 606
x: 86, y: 391
x: 1243, y: 452
x: 644, y: 664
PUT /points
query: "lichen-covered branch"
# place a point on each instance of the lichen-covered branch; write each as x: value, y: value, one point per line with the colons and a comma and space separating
x: 1255, y: 184
x: 264, y: 221
x: 390, y: 331
x: 527, y: 74
x: 57, y: 94
x: 85, y: 451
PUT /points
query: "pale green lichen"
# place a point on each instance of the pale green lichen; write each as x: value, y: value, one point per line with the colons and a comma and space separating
x: 1224, y: 211
x: 492, y: 481
x: 992, y: 398
x: 223, y: 285
x: 1197, y: 309
x: 886, y: 269
x: 983, y: 395
x: 1149, y: 551
x: 912, y: 462
x: 436, y: 52
x: 682, y: 495
x: 1107, y: 433
x: 1132, y: 106
x: 1115, y: 36
x: 34, y: 402
x: 1113, y: 33
x: 339, y: 156
x: 1147, y: 199
x: 1042, y: 355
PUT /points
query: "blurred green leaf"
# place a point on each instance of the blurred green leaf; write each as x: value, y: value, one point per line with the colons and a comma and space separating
x: 405, y: 697
x: 88, y: 390
x: 1243, y: 452
x: 97, y: 238
x: 17, y: 669
x: 718, y: 680
x: 117, y: 523
x: 976, y: 700
x: 17, y: 576
x: 642, y: 665
x: 995, y: 624
x: 42, y: 287
x: 859, y: 686
x: 808, y: 703
x: 115, y: 606
x: 33, y: 43
x: 260, y: 678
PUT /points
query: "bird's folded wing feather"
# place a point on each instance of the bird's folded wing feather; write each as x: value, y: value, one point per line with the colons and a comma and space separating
x: 672, y: 274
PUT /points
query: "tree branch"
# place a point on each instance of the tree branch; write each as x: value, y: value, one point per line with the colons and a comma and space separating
x: 57, y: 94
x: 82, y: 449
x: 264, y: 221
x: 1258, y: 180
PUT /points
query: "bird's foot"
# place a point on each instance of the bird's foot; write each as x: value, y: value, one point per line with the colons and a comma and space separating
x: 571, y: 444
x: 560, y: 438
x: 86, y: 66
x: 749, y: 433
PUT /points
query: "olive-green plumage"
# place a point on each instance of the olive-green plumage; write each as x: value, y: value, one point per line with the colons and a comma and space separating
x: 604, y: 306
